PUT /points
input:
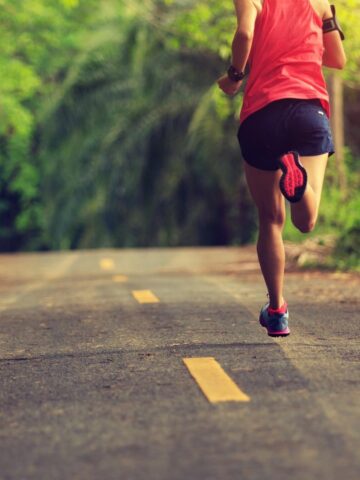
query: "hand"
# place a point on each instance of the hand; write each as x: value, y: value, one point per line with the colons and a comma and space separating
x: 228, y: 86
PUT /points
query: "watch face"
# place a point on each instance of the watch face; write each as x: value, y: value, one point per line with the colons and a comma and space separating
x: 234, y: 75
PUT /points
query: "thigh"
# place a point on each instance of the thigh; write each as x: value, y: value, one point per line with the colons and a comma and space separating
x: 315, y: 166
x: 265, y: 191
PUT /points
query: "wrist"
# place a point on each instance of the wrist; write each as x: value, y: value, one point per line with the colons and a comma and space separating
x: 234, y: 74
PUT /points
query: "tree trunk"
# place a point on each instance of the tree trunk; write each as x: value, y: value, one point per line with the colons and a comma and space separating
x: 337, y: 125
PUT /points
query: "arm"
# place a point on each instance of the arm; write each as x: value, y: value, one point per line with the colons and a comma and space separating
x: 246, y: 15
x: 334, y: 54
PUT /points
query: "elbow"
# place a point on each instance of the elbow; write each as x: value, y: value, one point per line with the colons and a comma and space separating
x: 342, y: 63
x: 341, y: 60
x: 244, y: 35
x: 339, y: 64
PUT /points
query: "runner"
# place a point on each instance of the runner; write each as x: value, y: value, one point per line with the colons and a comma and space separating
x: 284, y: 132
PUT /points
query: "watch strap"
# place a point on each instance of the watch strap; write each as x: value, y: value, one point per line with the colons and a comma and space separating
x: 234, y: 74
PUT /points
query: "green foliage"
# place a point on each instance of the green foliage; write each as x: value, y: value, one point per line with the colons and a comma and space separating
x: 347, y: 250
x: 207, y: 25
x: 114, y: 133
x: 159, y: 168
x: 338, y: 216
x: 348, y: 12
x: 37, y: 38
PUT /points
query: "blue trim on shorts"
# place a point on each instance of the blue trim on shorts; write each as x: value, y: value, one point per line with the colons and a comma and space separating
x: 284, y: 125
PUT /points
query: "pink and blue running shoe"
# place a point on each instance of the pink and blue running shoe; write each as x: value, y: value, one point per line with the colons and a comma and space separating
x: 275, y: 321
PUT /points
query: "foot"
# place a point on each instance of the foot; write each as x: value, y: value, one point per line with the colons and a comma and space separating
x: 294, y: 178
x: 275, y: 320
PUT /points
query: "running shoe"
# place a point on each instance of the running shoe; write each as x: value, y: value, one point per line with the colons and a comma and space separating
x: 294, y: 178
x: 275, y: 321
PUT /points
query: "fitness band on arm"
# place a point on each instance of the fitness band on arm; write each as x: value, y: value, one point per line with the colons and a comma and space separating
x: 331, y: 24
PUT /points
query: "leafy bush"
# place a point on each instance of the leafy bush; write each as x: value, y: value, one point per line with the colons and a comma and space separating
x: 346, y: 254
x: 339, y: 215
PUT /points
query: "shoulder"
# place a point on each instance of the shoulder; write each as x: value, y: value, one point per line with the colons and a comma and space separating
x: 258, y: 4
x: 321, y: 7
x: 245, y: 3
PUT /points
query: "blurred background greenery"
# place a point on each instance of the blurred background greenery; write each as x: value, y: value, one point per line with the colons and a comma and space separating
x: 113, y: 132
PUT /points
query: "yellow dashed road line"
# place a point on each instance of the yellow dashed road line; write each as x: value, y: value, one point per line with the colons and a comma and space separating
x: 214, y: 382
x: 107, y: 264
x: 145, y: 296
x: 120, y: 278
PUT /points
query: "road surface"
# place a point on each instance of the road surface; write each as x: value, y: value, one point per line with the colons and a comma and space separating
x: 95, y: 385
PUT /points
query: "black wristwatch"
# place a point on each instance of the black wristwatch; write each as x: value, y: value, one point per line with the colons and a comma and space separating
x: 235, y: 75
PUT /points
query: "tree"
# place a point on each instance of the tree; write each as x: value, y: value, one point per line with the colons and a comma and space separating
x: 38, y: 39
x: 111, y: 117
x: 159, y: 167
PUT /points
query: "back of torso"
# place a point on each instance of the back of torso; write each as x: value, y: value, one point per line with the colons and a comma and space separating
x: 286, y: 55
x: 318, y: 6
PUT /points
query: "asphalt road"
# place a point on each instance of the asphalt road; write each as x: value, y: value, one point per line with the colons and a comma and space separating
x: 93, y: 383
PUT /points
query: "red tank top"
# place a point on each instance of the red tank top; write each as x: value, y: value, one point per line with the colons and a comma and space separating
x: 286, y: 56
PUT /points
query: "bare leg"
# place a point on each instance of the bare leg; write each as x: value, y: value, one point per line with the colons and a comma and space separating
x: 264, y: 188
x: 304, y: 213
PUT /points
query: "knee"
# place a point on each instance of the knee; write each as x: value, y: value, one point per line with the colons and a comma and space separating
x: 306, y: 226
x: 274, y: 217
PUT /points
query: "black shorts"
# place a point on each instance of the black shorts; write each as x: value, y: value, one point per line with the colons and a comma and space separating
x: 281, y: 126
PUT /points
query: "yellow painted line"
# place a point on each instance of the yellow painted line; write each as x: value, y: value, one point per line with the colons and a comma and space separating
x: 107, y: 264
x: 214, y: 382
x: 145, y: 296
x: 120, y: 278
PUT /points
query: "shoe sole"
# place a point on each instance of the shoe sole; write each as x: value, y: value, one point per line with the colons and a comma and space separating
x: 294, y: 178
x: 281, y: 333
x: 284, y: 333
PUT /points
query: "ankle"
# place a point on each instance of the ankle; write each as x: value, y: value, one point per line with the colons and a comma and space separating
x: 277, y: 304
x: 280, y: 309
